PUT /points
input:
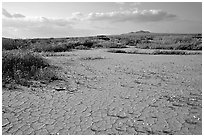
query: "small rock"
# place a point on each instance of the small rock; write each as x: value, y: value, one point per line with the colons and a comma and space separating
x: 122, y: 115
x: 60, y: 88
x: 178, y: 104
x: 4, y: 122
x: 191, y: 121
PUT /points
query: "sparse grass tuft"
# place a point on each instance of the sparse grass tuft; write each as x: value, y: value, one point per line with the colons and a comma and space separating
x: 82, y: 47
x: 91, y: 58
x: 51, y: 54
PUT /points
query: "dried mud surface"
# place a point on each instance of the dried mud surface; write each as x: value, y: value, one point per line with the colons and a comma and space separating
x: 107, y: 93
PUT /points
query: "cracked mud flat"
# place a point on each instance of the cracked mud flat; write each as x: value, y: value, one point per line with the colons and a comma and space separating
x: 107, y: 93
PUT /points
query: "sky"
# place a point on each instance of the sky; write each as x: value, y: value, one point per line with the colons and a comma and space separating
x: 70, y: 19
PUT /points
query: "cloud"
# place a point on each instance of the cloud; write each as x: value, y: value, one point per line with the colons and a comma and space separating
x: 128, y: 3
x: 120, y: 3
x: 77, y: 15
x: 34, y: 22
x: 18, y: 16
x: 40, y: 27
x: 19, y: 20
x: 78, y: 24
x: 132, y: 15
x: 8, y: 15
x: 25, y: 26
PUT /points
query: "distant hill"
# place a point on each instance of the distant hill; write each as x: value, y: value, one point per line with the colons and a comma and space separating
x: 141, y: 31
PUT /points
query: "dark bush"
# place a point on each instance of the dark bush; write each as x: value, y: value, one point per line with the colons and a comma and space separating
x: 189, y: 46
x: 60, y: 47
x: 92, y: 58
x: 88, y: 44
x: 21, y: 65
x: 46, y: 74
x: 169, y: 52
x: 117, y: 51
x: 103, y: 37
x: 97, y: 45
x: 174, y: 52
x: 112, y: 45
x: 177, y: 46
x: 10, y: 44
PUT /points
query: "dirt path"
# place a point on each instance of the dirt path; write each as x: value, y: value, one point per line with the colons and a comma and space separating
x: 107, y: 93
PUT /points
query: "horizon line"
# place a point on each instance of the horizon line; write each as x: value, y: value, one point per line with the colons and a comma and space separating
x: 106, y: 35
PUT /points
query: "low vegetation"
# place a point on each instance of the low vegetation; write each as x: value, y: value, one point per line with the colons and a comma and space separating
x: 91, y: 58
x: 10, y: 44
x: 109, y: 44
x: 161, y: 41
x: 41, y: 47
x: 174, y: 52
x: 155, y: 52
x: 141, y: 39
x: 196, y: 45
x: 23, y: 59
x: 21, y: 66
x: 117, y: 51
x: 52, y: 54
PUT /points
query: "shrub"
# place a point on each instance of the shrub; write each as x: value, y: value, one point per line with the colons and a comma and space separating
x: 170, y: 52
x: 21, y: 65
x: 46, y: 74
x: 156, y: 52
x: 103, y: 37
x: 88, y: 44
x: 117, y: 51
x: 174, y: 52
x: 10, y: 44
x: 81, y: 47
x: 189, y: 46
x: 92, y: 58
x: 177, y: 46
x: 39, y: 47
x: 97, y: 45
x: 51, y: 54
x: 60, y: 47
x: 112, y: 45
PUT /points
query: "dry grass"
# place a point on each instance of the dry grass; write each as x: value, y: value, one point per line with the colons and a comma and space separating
x: 92, y: 58
x: 20, y: 66
x: 155, y: 52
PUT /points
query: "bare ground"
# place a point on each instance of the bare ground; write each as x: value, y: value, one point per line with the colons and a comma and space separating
x: 107, y: 93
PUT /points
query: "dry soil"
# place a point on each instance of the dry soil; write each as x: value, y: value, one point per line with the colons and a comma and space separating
x: 109, y: 93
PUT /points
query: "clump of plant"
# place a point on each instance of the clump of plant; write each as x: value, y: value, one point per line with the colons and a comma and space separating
x: 92, y: 58
x: 88, y: 44
x: 156, y: 52
x: 81, y: 47
x: 10, y: 44
x: 174, y: 52
x: 52, y: 54
x: 59, y: 47
x: 108, y: 44
x: 172, y: 42
x: 117, y: 51
x: 20, y: 66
